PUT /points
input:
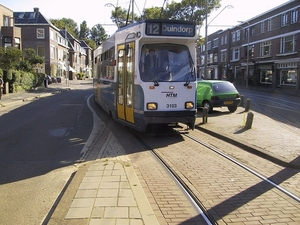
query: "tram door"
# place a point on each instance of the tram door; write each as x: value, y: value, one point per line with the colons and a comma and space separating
x: 125, y: 82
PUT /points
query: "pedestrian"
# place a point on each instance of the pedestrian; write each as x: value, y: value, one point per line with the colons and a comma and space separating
x: 46, y: 81
x: 1, y: 86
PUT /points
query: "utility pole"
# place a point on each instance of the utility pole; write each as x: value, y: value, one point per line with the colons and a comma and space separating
x: 248, y: 41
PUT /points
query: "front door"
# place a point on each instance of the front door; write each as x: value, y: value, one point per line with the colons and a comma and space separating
x: 125, y: 82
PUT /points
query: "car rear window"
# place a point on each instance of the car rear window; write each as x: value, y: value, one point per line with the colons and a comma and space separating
x: 223, y: 87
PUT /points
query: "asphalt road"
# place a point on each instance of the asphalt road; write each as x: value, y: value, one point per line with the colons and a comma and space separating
x: 40, y: 144
x: 283, y: 108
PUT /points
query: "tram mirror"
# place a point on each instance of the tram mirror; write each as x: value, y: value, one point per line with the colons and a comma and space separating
x: 121, y: 53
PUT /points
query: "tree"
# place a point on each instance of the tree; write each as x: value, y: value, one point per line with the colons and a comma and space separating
x: 98, y: 34
x: 10, y: 57
x: 30, y: 59
x: 122, y: 18
x: 84, y: 31
x: 69, y: 24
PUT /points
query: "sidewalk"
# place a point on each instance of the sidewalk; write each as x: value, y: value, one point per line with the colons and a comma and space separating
x: 267, y: 137
x: 110, y: 192
x: 54, y: 88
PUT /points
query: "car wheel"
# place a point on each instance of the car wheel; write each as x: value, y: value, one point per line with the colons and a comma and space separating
x: 232, y: 108
x: 207, y: 105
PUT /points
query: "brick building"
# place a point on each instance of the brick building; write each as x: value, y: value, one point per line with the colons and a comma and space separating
x: 262, y: 51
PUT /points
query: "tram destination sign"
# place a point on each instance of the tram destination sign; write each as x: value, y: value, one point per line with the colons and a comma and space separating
x: 170, y: 29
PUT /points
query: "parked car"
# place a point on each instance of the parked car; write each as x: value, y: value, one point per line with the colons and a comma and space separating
x: 217, y: 93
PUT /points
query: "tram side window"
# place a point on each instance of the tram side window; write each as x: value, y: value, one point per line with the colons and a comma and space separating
x: 108, y: 64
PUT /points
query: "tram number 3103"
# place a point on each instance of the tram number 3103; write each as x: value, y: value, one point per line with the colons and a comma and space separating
x: 172, y: 106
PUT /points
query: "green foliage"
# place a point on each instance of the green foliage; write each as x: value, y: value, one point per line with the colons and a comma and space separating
x: 8, y: 74
x: 97, y: 34
x: 38, y: 79
x: 30, y: 59
x: 10, y: 57
x: 69, y: 24
x: 187, y: 10
x: 121, y: 17
x: 23, y: 80
x: 84, y: 31
x: 1, y: 72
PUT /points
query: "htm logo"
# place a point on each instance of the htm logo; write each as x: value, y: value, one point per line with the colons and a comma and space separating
x: 171, y: 95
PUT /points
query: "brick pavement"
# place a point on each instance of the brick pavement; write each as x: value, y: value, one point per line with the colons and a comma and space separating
x: 110, y: 192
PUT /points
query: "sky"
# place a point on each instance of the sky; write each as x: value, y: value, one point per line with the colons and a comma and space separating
x: 95, y: 12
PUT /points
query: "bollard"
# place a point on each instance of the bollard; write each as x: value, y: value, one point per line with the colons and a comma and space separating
x: 205, y: 113
x: 242, y: 101
x: 249, y: 120
x: 247, y: 107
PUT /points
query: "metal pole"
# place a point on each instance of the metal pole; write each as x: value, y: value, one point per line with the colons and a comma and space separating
x: 67, y: 61
x: 206, y: 52
x: 247, y: 70
x: 248, y: 45
x: 132, y: 11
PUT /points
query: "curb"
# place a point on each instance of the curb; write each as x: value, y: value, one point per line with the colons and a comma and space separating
x: 34, y: 96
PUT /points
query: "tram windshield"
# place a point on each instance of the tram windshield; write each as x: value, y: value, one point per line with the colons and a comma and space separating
x: 166, y: 62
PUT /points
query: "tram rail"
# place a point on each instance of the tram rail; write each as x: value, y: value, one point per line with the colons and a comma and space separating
x: 189, y: 188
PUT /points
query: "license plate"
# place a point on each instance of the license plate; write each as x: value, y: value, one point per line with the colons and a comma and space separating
x: 228, y: 102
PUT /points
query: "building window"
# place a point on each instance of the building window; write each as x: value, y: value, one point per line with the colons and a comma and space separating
x: 215, y: 58
x: 7, y: 42
x: 288, y: 77
x: 262, y: 27
x: 266, y: 76
x: 265, y: 48
x: 252, y: 31
x: 17, y: 43
x: 235, y: 54
x: 210, y: 58
x: 294, y: 16
x: 52, y: 35
x: 284, y: 19
x: 238, y: 35
x: 223, y: 56
x: 41, y: 51
x: 40, y: 33
x: 251, y: 51
x: 225, y: 39
x: 269, y: 22
x: 215, y: 43
x: 287, y: 44
x: 233, y: 36
x: 52, y: 52
x: 6, y: 21
x: 209, y: 45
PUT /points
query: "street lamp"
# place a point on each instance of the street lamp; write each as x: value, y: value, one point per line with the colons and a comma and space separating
x: 206, y: 26
x: 112, y: 5
x: 247, y: 66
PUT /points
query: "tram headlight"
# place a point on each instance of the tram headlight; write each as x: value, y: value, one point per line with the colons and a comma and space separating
x: 189, y: 105
x: 152, y: 106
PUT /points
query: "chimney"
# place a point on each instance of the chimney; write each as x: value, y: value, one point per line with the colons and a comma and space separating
x: 36, y: 9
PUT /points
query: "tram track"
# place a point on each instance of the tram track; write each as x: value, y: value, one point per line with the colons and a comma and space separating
x: 189, y: 187
x: 288, y: 193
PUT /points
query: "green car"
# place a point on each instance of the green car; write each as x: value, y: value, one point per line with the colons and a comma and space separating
x: 217, y: 93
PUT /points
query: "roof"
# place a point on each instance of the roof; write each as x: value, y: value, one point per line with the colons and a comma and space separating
x: 30, y: 17
x: 84, y: 44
